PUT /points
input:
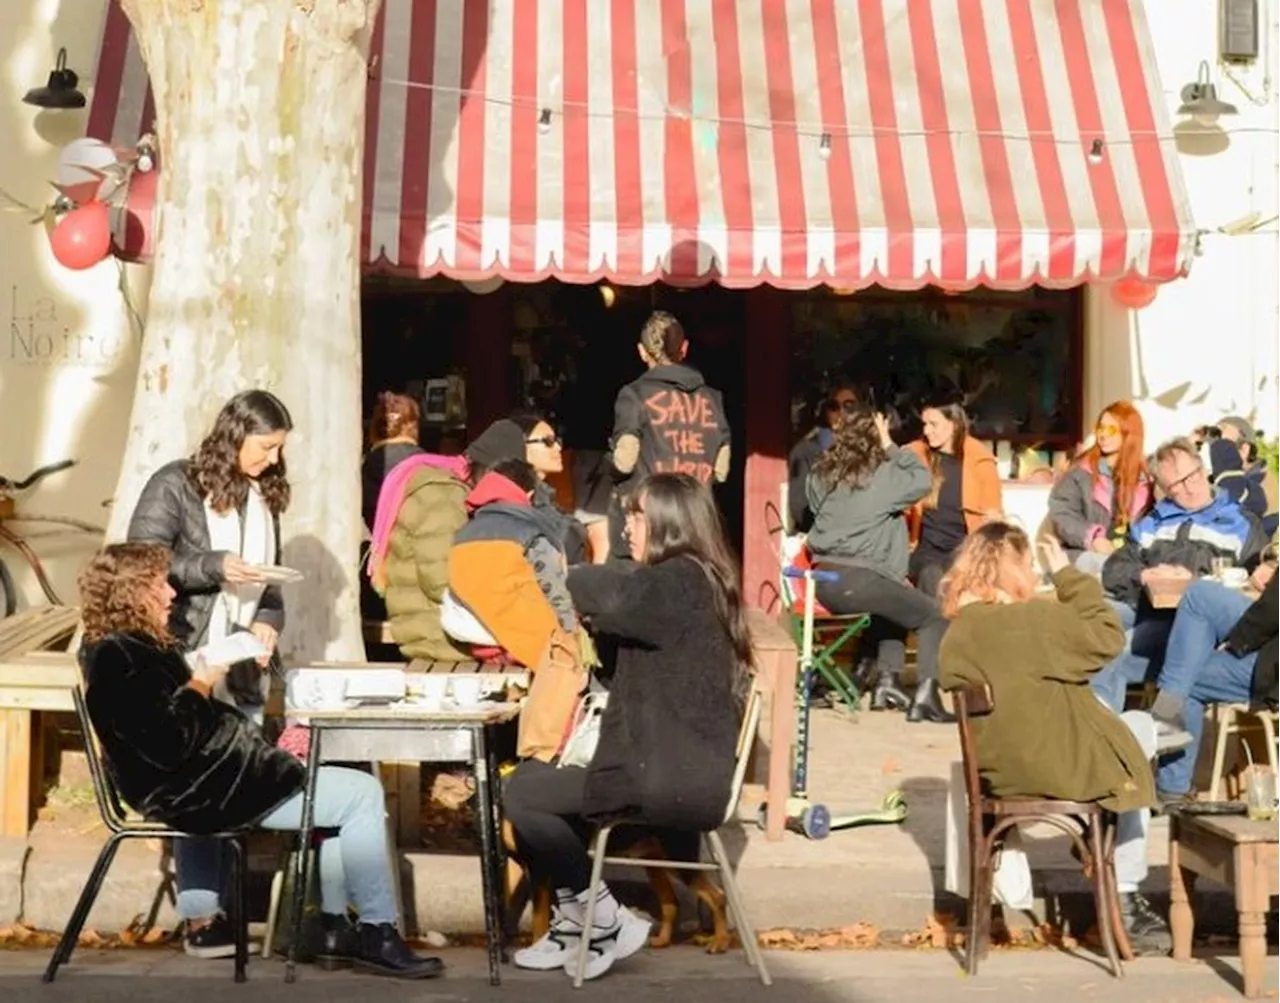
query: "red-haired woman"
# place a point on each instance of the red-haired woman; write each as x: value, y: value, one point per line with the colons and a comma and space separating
x: 1105, y: 491
x: 393, y: 436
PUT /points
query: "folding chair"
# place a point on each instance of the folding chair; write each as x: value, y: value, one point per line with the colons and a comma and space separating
x: 123, y: 826
x: 820, y: 635
x: 715, y: 847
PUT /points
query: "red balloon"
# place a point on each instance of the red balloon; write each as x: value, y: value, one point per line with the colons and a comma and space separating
x: 1134, y: 293
x: 83, y: 236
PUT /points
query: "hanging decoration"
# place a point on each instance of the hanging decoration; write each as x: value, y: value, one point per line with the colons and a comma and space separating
x: 82, y: 237
x: 482, y: 287
x: 1134, y: 293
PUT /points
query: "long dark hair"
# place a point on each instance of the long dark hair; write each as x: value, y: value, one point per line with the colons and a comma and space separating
x: 215, y: 468
x: 683, y: 521
x: 855, y: 453
x: 951, y: 407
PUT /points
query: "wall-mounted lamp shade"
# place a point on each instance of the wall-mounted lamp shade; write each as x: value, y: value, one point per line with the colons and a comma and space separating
x: 1200, y: 100
x: 62, y: 90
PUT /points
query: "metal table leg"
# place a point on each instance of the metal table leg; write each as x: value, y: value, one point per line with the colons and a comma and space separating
x: 484, y: 826
x: 302, y: 866
x: 499, y: 847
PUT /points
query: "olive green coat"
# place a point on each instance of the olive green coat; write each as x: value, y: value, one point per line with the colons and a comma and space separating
x: 1048, y: 734
x: 418, y: 564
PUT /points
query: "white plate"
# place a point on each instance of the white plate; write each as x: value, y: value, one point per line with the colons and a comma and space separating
x: 278, y: 574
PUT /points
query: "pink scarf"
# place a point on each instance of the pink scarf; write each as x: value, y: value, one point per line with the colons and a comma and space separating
x: 391, y: 497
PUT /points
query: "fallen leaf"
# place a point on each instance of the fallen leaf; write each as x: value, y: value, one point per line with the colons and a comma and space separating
x: 91, y: 938
x: 889, y: 767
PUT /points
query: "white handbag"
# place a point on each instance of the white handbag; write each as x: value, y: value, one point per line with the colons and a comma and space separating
x: 461, y: 624
x: 584, y: 735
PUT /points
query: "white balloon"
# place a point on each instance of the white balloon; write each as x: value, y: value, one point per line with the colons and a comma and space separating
x: 483, y: 287
x: 80, y: 159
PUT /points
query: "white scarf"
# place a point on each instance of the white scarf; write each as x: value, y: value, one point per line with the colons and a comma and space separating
x: 236, y: 605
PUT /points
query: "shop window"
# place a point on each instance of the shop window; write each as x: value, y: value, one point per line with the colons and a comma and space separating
x: 1016, y: 357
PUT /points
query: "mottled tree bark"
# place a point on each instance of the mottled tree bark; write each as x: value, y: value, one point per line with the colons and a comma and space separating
x: 260, y: 125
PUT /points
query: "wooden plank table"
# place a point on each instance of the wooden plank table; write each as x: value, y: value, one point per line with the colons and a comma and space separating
x: 775, y: 652
x: 1235, y: 852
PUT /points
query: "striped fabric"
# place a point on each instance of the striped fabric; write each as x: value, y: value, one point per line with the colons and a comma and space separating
x: 851, y: 142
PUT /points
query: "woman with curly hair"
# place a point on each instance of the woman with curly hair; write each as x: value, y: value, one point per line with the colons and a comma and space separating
x: 180, y: 756
x: 1048, y: 735
x: 218, y: 513
x: 858, y: 491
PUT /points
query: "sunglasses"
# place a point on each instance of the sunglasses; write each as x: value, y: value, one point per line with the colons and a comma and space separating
x: 1108, y: 429
x: 550, y: 441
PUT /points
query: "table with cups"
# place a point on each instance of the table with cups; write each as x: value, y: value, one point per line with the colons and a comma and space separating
x: 383, y: 714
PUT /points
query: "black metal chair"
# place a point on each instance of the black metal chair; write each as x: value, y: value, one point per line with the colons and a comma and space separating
x: 123, y: 826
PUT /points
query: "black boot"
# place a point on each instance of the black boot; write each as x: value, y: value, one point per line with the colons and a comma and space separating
x: 339, y: 943
x: 382, y: 951
x: 887, y: 695
x: 1148, y: 932
x: 926, y: 705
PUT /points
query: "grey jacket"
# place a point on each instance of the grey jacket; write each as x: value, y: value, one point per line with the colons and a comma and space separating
x: 864, y: 526
x: 1081, y: 510
x: 170, y: 511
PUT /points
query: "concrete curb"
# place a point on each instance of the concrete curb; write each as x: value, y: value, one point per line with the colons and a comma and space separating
x: 442, y: 892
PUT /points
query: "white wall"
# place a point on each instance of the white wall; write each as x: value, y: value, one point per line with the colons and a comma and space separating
x: 67, y: 357
x: 1207, y: 347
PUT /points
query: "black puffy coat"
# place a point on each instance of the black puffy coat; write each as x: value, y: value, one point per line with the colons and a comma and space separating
x: 170, y: 511
x: 670, y: 730
x: 175, y: 755
x: 1257, y: 630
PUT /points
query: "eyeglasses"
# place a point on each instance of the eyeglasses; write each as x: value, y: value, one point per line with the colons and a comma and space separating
x: 1181, y: 483
x: 550, y: 441
x: 1108, y: 429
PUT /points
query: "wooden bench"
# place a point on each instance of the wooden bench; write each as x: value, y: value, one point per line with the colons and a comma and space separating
x: 1235, y: 852
x: 33, y: 683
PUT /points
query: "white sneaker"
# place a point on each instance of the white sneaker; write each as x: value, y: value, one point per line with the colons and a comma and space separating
x: 557, y: 948
x: 607, y: 946
x: 1171, y: 738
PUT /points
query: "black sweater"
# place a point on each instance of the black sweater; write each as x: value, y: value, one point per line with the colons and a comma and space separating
x: 1257, y: 630
x: 670, y: 731
x: 175, y: 755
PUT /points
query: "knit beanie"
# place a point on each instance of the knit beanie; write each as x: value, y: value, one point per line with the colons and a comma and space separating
x: 503, y: 440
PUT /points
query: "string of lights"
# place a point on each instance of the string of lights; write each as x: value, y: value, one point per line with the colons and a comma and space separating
x: 824, y: 134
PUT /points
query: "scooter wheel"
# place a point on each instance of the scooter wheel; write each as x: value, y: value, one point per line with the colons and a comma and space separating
x: 816, y: 821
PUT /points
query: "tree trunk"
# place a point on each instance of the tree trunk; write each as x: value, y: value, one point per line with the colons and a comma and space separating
x: 260, y: 125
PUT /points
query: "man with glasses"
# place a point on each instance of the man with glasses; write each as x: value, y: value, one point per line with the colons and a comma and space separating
x: 1191, y: 525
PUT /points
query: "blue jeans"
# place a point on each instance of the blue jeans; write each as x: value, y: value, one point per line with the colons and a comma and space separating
x: 1197, y: 671
x: 1146, y: 638
x: 355, y: 866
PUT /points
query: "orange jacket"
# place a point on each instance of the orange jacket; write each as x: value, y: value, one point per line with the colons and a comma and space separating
x: 979, y: 492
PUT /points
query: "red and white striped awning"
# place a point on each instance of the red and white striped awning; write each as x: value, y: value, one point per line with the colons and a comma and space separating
x: 902, y: 143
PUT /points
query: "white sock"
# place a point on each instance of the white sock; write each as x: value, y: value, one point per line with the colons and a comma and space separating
x: 569, y: 907
x: 606, y: 913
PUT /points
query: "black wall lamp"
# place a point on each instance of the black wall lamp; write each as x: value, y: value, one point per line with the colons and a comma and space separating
x: 62, y: 90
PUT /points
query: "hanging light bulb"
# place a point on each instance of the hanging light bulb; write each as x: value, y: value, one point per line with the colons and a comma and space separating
x: 607, y: 295
x: 1095, y: 152
x: 824, y: 146
x: 544, y: 121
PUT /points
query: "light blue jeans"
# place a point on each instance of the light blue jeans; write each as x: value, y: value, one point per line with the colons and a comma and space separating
x: 1131, y: 826
x: 355, y: 865
x: 1197, y: 671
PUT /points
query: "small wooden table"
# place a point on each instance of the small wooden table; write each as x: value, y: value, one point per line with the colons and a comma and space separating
x: 775, y: 652
x: 414, y: 735
x: 1238, y: 853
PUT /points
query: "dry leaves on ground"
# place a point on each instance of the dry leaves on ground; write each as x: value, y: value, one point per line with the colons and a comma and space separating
x: 858, y: 936
x: 19, y: 935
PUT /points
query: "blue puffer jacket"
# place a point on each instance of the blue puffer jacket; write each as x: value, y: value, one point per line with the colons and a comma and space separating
x: 1169, y: 534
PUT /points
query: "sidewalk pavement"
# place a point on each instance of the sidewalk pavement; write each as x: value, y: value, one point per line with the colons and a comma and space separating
x: 144, y: 976
x: 888, y: 875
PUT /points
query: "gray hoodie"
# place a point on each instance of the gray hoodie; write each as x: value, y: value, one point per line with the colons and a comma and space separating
x: 863, y: 526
